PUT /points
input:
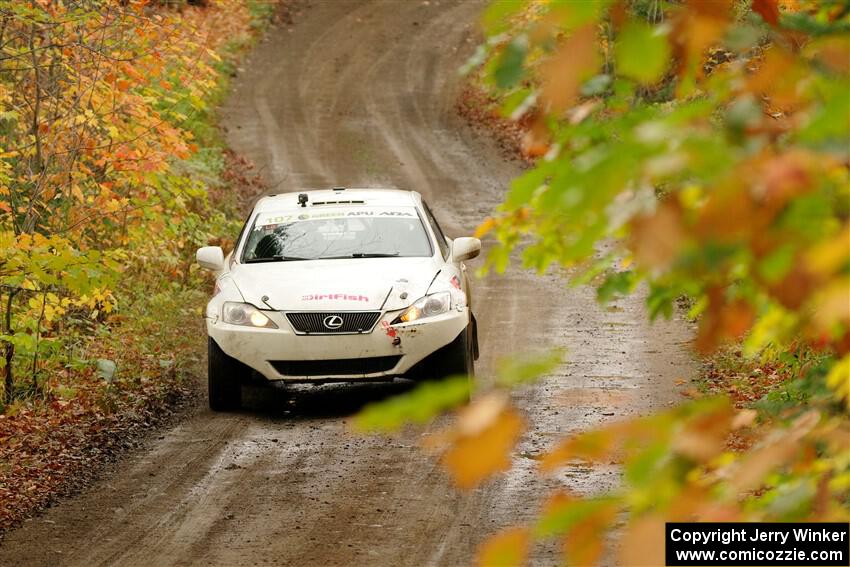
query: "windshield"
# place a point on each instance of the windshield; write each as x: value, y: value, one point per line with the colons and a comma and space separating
x: 336, y: 233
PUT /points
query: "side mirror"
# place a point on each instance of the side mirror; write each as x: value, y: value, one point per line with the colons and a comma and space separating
x: 211, y: 258
x: 465, y: 248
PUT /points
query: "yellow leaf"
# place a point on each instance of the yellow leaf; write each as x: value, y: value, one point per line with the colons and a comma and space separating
x: 832, y: 304
x: 506, y: 549
x: 486, y: 226
x: 830, y: 255
x: 838, y: 379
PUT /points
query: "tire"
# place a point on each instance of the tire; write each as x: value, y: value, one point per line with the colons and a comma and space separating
x: 224, y: 375
x: 475, y: 351
x: 455, y: 358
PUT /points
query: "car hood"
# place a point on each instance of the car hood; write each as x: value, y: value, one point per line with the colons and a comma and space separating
x: 329, y: 285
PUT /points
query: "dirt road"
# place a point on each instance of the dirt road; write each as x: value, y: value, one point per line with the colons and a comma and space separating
x: 362, y: 93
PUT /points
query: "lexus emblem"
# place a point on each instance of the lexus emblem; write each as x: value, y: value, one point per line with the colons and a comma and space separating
x: 332, y: 322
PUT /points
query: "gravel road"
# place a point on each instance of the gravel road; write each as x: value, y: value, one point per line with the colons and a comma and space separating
x: 362, y: 93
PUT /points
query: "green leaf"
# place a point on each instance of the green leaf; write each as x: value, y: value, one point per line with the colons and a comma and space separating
x: 776, y: 265
x: 497, y: 16
x: 641, y: 53
x: 618, y: 283
x: 417, y: 406
x: 559, y: 519
x: 509, y: 66
x: 517, y: 103
x: 515, y: 371
x: 596, y: 86
x: 660, y: 301
x: 523, y: 187
x: 643, y: 466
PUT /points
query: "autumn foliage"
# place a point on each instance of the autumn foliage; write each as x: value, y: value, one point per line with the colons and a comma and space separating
x: 696, y: 152
x: 98, y: 187
x: 110, y: 178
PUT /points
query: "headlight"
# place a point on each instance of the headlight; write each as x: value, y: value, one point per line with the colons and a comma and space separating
x: 428, y: 306
x: 245, y: 314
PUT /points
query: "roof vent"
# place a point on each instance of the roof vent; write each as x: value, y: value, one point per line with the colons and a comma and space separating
x: 339, y: 188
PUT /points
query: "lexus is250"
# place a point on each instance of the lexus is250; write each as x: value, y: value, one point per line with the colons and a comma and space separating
x: 339, y: 285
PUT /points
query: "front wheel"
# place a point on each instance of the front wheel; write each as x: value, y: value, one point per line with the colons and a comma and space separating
x: 224, y: 376
x: 457, y: 357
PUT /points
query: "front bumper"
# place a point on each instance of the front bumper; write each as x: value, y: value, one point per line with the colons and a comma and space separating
x: 274, y: 351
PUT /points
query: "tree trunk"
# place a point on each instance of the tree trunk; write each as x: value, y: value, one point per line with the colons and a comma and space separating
x: 9, y: 352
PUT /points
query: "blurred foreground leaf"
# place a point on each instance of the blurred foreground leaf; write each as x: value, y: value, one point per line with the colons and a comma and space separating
x: 481, y: 441
x: 508, y: 549
x: 420, y: 405
x: 513, y: 371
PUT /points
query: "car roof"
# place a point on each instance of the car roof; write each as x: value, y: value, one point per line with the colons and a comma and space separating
x: 340, y: 196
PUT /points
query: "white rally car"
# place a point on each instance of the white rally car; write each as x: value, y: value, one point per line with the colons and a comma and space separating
x: 339, y: 285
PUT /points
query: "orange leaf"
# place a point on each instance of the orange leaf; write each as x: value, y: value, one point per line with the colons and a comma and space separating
x: 585, y: 541
x: 643, y: 543
x: 778, y: 77
x: 695, y: 28
x: 535, y: 141
x: 760, y: 463
x: 506, y: 549
x: 768, y: 10
x: 591, y: 445
x: 704, y: 435
x: 486, y: 226
x: 723, y: 320
x: 486, y: 433
x: 122, y: 84
x: 657, y: 238
x: 574, y: 61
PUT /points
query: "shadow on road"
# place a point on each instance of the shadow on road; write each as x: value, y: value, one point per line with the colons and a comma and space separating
x: 306, y: 401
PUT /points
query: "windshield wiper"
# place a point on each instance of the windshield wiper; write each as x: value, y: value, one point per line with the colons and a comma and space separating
x: 277, y: 258
x: 360, y: 255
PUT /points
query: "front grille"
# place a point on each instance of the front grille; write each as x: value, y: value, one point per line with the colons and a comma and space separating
x: 338, y: 367
x: 340, y: 321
